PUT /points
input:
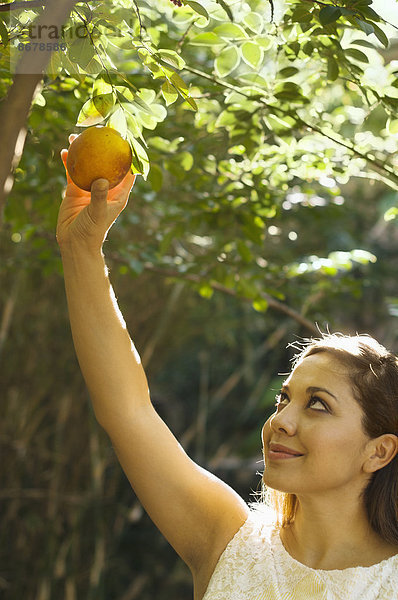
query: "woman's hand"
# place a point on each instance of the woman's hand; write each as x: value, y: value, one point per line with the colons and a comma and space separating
x: 85, y: 217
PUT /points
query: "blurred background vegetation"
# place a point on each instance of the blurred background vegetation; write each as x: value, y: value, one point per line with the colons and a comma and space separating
x: 214, y: 283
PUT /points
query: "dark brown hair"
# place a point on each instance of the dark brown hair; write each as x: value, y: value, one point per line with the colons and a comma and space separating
x: 373, y: 373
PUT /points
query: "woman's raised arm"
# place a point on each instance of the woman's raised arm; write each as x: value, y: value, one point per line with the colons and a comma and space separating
x: 196, y: 512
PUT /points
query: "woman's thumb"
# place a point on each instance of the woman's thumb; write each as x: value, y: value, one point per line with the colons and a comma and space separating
x: 99, y: 194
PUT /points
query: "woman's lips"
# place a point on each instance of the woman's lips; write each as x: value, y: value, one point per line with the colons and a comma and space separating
x: 280, y: 452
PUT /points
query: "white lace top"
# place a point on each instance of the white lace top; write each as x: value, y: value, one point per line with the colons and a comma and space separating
x: 256, y: 566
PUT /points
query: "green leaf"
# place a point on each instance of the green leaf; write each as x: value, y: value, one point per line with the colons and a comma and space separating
x: 191, y: 103
x: 357, y: 54
x: 206, y: 39
x: 206, y: 291
x: 171, y: 57
x: 155, y: 68
x: 89, y: 115
x: 81, y: 51
x: 225, y: 6
x: 277, y: 124
x: 118, y: 121
x: 141, y: 105
x: 252, y: 54
x: 227, y: 61
x: 392, y: 126
x: 363, y: 256
x: 179, y: 83
x: 288, y: 72
x: 288, y: 90
x: 147, y: 95
x: 132, y: 123
x: 366, y: 27
x: 333, y: 68
x: 308, y: 48
x: 147, y: 121
x: 254, y: 21
x: 347, y: 12
x: 329, y: 14
x: 159, y: 112
x: 39, y: 99
x: 140, y: 162
x: 54, y: 66
x: 391, y: 213
x: 3, y: 33
x: 101, y: 86
x: 93, y: 67
x: 125, y: 93
x: 225, y: 118
x: 265, y: 41
x: 370, y: 13
x: 169, y: 93
x: 104, y: 103
x: 186, y: 160
x: 381, y: 36
x: 182, y: 87
x: 198, y: 8
x: 364, y: 43
x: 230, y: 31
x: 254, y: 78
x: 301, y: 14
x: 260, y: 305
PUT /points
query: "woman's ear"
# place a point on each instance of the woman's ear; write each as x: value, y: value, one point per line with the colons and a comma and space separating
x: 381, y: 451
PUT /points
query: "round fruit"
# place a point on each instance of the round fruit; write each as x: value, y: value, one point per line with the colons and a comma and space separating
x: 98, y: 152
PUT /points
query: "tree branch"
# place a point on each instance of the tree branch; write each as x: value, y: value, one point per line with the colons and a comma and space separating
x: 215, y: 285
x: 14, y: 109
x: 142, y: 26
x: 319, y: 2
x: 272, y: 302
x: 8, y: 310
x: 386, y: 172
x: 359, y: 11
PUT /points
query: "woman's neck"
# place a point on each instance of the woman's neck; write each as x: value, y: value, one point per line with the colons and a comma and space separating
x: 326, y: 536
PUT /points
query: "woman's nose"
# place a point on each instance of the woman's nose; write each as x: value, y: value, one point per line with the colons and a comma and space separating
x: 284, y: 421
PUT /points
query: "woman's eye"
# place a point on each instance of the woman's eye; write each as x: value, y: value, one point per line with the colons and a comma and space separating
x: 318, y: 404
x: 281, y: 400
x: 315, y: 403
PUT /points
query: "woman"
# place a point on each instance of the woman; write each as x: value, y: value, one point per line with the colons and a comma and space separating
x: 333, y: 433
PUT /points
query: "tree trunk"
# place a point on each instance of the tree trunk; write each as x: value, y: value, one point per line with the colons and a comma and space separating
x: 14, y: 109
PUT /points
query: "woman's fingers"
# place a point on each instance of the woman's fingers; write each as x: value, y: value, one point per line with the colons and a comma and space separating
x: 77, y: 190
x: 120, y: 193
x: 98, y: 204
x: 123, y: 188
x: 64, y: 156
x: 99, y: 189
x: 127, y: 182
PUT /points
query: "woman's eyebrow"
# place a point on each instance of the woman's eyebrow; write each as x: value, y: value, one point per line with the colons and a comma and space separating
x: 313, y: 389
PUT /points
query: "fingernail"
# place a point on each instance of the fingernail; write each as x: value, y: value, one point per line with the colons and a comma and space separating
x: 100, y: 184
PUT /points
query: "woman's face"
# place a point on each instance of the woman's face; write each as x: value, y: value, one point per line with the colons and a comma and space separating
x: 319, y: 422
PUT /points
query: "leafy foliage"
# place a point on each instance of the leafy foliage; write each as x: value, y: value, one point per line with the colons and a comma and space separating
x: 265, y: 137
x: 274, y: 97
